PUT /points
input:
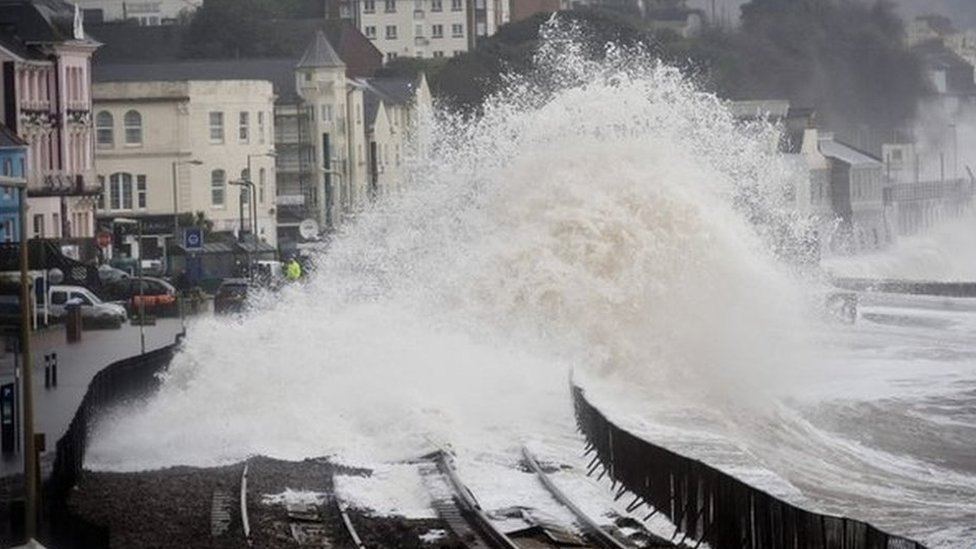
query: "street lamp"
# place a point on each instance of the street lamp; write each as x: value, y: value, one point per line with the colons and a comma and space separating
x: 142, y: 284
x: 254, y: 205
x: 327, y: 195
x: 955, y: 152
x: 30, y: 459
x: 176, y: 208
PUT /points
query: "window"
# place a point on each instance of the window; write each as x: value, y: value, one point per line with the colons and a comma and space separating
x: 438, y: 54
x: 457, y: 30
x: 261, y: 184
x: 218, y: 184
x: 217, y: 127
x: 103, y: 130
x: 326, y: 113
x: 141, y: 191
x: 436, y: 5
x: 369, y: 6
x: 59, y: 297
x: 391, y: 32
x: 418, y: 30
x: 8, y: 230
x: 389, y: 6
x: 8, y: 170
x: 370, y: 31
x: 437, y: 31
x: 359, y: 114
x: 243, y: 127
x: 120, y: 191
x: 390, y: 56
x: 261, y: 127
x: 896, y: 155
x: 39, y: 226
x: 455, y: 5
x: 458, y: 52
x: 133, y: 128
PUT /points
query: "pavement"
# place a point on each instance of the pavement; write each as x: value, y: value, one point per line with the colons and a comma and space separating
x: 55, y: 406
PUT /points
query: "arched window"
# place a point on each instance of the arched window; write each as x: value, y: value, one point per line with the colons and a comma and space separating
x: 120, y: 191
x: 103, y: 130
x: 261, y: 184
x: 133, y: 128
x: 218, y: 186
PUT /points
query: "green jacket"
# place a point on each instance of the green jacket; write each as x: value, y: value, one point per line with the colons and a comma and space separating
x: 293, y: 271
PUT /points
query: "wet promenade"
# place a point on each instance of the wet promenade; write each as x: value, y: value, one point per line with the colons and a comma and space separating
x: 55, y: 406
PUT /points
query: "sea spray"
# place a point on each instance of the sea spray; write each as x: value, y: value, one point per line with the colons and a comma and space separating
x: 609, y: 217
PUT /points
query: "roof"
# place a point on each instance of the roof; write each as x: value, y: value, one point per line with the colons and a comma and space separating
x: 937, y: 56
x: 845, y: 153
x: 27, y: 23
x: 320, y: 54
x: 389, y: 90
x: 280, y: 72
x: 9, y: 139
x: 125, y: 45
x: 229, y: 248
x: 761, y: 108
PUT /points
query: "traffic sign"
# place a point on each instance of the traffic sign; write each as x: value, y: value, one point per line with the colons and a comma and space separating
x: 103, y: 239
x: 193, y: 238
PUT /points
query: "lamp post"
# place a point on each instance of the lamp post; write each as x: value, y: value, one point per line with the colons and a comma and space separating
x: 327, y: 196
x: 254, y: 205
x: 955, y: 152
x: 142, y: 284
x: 27, y: 383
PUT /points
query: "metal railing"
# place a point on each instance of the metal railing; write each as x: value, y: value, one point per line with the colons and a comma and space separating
x: 707, y: 505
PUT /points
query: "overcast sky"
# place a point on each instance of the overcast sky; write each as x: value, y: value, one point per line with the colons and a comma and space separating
x: 962, y: 12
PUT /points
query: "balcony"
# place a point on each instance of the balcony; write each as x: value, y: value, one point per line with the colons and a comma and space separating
x: 65, y: 185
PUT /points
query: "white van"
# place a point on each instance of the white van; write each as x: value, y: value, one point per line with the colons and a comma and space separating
x: 91, y: 305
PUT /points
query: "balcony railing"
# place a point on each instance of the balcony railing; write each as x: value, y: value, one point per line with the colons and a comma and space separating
x: 65, y: 185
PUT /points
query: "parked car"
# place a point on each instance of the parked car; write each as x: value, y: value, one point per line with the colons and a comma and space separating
x: 92, y: 308
x: 231, y: 296
x: 156, y: 293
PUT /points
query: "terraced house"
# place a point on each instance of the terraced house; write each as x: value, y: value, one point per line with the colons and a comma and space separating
x: 46, y: 98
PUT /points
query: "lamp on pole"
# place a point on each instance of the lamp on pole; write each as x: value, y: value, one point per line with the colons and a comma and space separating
x: 142, y: 284
x: 254, y: 196
x: 955, y: 151
x: 327, y: 195
x: 27, y: 383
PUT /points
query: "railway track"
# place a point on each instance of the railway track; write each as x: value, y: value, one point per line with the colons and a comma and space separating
x: 459, y: 508
x: 329, y: 520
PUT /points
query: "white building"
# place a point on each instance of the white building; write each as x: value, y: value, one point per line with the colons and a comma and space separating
x: 356, y: 132
x: 428, y: 28
x: 145, y: 12
x: 178, y: 147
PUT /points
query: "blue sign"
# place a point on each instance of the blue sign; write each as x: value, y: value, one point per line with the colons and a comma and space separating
x: 193, y: 238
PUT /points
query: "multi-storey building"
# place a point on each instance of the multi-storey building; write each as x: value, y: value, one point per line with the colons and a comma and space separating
x: 145, y: 12
x: 356, y: 128
x: 425, y: 28
x: 46, y: 58
x: 167, y: 149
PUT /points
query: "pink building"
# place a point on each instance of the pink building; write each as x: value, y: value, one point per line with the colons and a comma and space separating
x: 46, y: 100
